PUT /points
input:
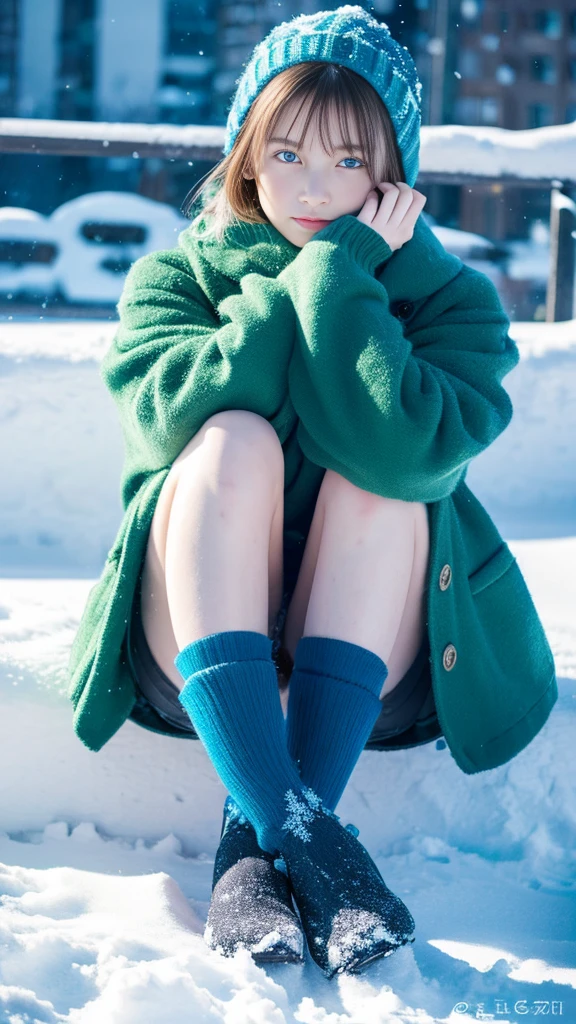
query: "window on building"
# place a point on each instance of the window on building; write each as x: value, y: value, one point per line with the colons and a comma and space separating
x: 469, y: 63
x: 490, y: 41
x: 572, y: 69
x: 504, y: 21
x: 549, y: 23
x: 570, y: 112
x: 572, y: 22
x: 543, y: 68
x: 505, y: 74
x: 386, y: 6
x: 467, y: 110
x: 189, y: 24
x: 76, y: 73
x: 490, y: 110
x: 471, y: 10
x: 184, y: 91
x: 477, y: 110
x: 540, y: 115
x: 8, y: 52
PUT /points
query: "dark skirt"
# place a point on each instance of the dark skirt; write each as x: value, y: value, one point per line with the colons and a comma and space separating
x: 407, y: 717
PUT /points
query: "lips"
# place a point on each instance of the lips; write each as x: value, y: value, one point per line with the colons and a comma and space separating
x: 311, y: 225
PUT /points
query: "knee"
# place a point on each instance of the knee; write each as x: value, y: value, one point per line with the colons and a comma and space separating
x: 242, y: 446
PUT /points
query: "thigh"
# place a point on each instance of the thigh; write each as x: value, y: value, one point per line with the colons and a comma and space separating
x: 155, y: 611
x: 298, y: 607
x: 413, y: 623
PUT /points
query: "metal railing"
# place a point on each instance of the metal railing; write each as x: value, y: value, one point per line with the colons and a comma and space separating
x: 497, y: 155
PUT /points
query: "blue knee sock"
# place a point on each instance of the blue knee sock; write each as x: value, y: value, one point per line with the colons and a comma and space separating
x: 333, y: 704
x: 231, y: 695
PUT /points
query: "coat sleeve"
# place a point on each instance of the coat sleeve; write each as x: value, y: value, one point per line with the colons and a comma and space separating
x: 175, y: 360
x: 400, y: 416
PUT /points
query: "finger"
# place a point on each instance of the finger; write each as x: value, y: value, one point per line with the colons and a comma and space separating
x: 394, y: 184
x: 416, y: 198
x: 388, y: 188
x: 414, y: 211
x: 369, y: 208
x: 400, y: 206
x: 390, y: 196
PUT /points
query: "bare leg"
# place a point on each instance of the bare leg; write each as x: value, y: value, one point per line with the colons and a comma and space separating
x: 363, y: 575
x: 214, y: 554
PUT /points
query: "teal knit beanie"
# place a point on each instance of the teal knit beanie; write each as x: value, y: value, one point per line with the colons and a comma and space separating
x: 350, y: 36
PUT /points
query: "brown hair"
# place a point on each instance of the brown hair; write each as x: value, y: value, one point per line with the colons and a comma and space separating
x: 227, y: 196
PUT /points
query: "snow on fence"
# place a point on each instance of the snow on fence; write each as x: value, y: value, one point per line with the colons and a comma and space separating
x: 449, y: 154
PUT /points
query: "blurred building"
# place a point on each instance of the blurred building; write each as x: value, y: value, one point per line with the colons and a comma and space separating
x: 510, y: 63
x: 138, y: 60
x: 506, y: 63
x: 171, y: 61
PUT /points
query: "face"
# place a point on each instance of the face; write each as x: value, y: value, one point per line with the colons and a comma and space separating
x: 307, y: 182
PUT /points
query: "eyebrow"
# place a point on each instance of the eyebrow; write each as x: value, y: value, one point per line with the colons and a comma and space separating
x: 292, y: 142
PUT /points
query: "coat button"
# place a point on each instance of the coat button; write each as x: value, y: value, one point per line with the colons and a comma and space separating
x: 404, y: 308
x: 449, y: 657
x: 445, y: 577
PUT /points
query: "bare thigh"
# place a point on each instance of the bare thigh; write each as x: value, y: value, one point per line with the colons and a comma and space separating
x: 155, y: 608
x: 412, y: 623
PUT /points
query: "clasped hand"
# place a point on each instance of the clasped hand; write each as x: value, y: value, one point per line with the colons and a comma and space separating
x: 395, y: 217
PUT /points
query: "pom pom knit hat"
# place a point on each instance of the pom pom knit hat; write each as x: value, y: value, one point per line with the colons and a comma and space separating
x: 349, y: 36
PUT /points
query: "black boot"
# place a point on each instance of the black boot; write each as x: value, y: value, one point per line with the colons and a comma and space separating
x: 251, y: 903
x: 349, y: 915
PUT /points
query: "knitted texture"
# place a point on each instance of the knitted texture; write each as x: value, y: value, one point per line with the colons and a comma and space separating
x: 312, y: 340
x: 334, y: 701
x: 231, y: 696
x: 353, y: 38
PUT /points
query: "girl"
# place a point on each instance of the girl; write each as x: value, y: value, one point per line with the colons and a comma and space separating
x: 302, y: 384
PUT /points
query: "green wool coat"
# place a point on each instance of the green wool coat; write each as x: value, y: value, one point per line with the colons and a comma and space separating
x: 385, y: 366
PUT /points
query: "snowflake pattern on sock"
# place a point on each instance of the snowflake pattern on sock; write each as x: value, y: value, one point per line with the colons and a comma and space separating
x: 302, y: 811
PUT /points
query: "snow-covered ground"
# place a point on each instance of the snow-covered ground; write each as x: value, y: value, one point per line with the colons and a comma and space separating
x: 106, y: 859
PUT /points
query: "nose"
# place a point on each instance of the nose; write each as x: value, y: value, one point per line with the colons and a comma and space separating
x: 314, y: 193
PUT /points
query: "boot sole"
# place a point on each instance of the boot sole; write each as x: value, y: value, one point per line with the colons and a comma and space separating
x: 286, y: 957
x: 358, y: 965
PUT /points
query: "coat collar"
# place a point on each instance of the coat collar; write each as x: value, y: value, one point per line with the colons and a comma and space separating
x: 219, y: 266
x: 418, y: 269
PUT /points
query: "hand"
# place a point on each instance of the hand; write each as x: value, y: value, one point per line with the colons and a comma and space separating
x: 397, y: 214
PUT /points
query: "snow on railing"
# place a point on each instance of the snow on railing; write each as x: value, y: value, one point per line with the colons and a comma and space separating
x: 533, y: 157
x: 449, y: 154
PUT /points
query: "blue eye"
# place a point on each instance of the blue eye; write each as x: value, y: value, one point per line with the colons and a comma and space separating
x: 286, y: 151
x: 291, y: 153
